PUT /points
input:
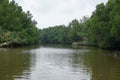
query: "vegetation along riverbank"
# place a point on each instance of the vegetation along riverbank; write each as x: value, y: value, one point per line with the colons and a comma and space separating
x: 101, y: 29
x: 16, y: 26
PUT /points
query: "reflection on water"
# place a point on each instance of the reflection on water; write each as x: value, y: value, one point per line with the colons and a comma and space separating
x: 58, y: 63
x: 103, y: 66
x: 14, y: 64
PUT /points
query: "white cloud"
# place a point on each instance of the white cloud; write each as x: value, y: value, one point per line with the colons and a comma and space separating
x: 56, y: 12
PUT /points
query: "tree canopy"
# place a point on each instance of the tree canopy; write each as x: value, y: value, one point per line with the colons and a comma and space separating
x: 16, y: 26
x: 101, y: 29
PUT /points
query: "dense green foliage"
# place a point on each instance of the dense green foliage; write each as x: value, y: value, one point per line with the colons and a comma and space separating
x: 101, y: 29
x: 16, y: 26
x: 63, y: 34
x: 57, y: 35
x: 104, y: 25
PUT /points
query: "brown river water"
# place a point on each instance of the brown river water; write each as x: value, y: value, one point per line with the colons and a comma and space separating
x: 58, y: 62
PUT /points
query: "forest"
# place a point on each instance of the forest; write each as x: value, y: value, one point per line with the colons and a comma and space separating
x: 16, y: 26
x: 101, y: 29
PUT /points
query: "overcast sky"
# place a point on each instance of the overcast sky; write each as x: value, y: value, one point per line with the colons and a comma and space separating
x: 56, y: 12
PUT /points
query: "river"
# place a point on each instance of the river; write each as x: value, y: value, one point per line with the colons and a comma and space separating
x: 58, y: 62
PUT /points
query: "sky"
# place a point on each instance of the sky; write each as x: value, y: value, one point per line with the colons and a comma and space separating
x: 57, y: 12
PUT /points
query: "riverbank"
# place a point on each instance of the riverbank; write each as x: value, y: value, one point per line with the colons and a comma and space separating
x: 4, y: 45
x: 82, y: 43
x: 17, y: 45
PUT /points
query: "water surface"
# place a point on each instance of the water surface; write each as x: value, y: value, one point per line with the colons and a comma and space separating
x: 58, y: 63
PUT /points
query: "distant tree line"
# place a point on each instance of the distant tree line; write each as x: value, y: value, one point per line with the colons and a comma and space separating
x: 62, y: 34
x: 101, y: 29
x: 55, y: 35
x: 16, y: 26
